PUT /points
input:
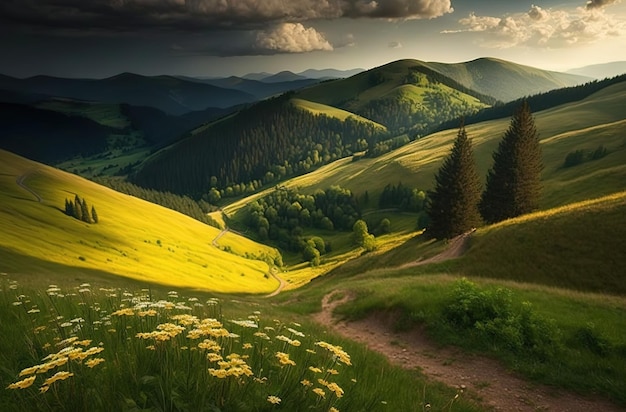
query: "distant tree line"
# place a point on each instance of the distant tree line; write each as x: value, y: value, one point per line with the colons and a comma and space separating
x: 580, y: 156
x: 183, y: 204
x: 539, y: 102
x: 456, y: 203
x: 283, y: 215
x: 260, y: 145
x: 402, y: 197
x: 79, y: 209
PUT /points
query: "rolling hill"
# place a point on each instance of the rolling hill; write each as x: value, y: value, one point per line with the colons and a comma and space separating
x: 505, y: 80
x: 583, y: 125
x: 133, y: 238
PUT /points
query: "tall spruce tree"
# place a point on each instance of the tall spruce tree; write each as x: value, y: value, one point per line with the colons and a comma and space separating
x: 514, y: 182
x: 453, y: 204
x: 94, y: 214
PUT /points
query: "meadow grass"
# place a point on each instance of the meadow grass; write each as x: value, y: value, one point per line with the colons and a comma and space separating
x: 330, y: 111
x: 103, y: 113
x: 585, y: 353
x: 93, y: 348
x: 133, y: 238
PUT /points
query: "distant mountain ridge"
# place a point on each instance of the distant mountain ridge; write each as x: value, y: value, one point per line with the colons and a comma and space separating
x: 600, y: 71
x: 167, y: 93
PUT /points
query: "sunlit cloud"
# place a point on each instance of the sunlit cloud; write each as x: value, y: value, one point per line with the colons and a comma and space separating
x: 549, y: 28
x: 292, y: 38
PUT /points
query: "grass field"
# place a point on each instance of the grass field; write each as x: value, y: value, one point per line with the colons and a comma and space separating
x: 319, y: 108
x: 134, y: 238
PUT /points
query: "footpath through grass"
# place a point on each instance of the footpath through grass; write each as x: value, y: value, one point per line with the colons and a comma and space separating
x: 559, y: 337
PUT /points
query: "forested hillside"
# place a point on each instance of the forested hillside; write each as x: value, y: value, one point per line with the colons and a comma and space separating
x: 260, y: 145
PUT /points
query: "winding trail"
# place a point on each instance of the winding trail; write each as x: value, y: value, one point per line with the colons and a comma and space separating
x: 281, y: 282
x: 20, y: 182
x: 482, y: 379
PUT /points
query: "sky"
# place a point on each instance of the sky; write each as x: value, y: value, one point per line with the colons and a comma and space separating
x: 218, y: 38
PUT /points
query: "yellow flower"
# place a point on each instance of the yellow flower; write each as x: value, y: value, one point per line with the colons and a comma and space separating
x: 333, y: 387
x: 320, y: 392
x: 275, y: 400
x: 123, y: 312
x: 306, y: 382
x: 93, y: 362
x: 44, y: 389
x: 59, y: 376
x: 333, y: 409
x: 337, y: 351
x: 283, y: 358
x: 23, y: 384
x: 247, y: 346
x: 314, y: 369
x: 85, y: 342
x: 333, y: 371
x: 29, y: 371
x: 214, y: 357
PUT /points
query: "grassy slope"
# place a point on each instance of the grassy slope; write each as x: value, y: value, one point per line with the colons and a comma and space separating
x: 319, y: 108
x: 357, y: 91
x: 581, y: 125
x: 38, y: 237
x: 505, y: 80
x: 104, y: 113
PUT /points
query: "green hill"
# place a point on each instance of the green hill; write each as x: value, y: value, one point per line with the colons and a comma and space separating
x: 133, y: 239
x: 584, y: 125
x: 505, y: 80
x: 319, y: 108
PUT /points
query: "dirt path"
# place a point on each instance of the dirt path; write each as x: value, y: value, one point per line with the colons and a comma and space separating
x: 482, y: 378
x: 456, y: 247
x: 218, y: 237
x: 281, y: 284
x: 20, y: 182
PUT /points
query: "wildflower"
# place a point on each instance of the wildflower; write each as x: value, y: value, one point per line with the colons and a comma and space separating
x: 29, y: 371
x: 314, y: 369
x: 246, y: 323
x: 85, y: 342
x: 275, y: 400
x: 283, y: 358
x: 306, y: 382
x: 94, y: 362
x: 214, y: 357
x: 337, y: 351
x: 247, y: 346
x: 185, y: 319
x: 59, y: 376
x: 262, y: 335
x: 333, y: 371
x: 23, y: 384
x: 210, y: 345
x: 320, y: 392
x: 333, y: 409
x: 149, y: 312
x: 333, y: 387
x: 44, y: 389
x: 123, y: 312
x: 295, y: 332
x: 34, y: 310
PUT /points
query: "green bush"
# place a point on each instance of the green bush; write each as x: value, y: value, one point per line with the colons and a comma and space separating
x: 492, y: 319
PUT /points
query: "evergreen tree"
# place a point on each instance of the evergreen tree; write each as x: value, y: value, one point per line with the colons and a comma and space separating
x: 85, y: 212
x: 78, y: 210
x: 453, y: 204
x: 514, y: 182
x: 69, y: 207
x: 94, y: 214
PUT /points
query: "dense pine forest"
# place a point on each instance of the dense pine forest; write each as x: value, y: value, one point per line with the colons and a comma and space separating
x: 260, y: 145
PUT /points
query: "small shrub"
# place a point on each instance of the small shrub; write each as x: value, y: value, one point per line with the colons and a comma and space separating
x: 589, y: 338
x: 574, y: 158
x: 494, y: 320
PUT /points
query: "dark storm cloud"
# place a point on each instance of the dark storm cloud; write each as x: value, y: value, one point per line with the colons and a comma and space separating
x: 596, y: 4
x: 196, y: 15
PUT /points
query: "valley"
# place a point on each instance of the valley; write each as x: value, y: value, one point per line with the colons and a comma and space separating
x: 291, y: 214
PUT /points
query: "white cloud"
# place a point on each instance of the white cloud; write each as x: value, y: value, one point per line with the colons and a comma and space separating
x: 292, y: 38
x: 545, y: 27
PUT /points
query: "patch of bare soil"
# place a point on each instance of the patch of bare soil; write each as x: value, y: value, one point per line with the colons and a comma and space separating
x: 481, y: 378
